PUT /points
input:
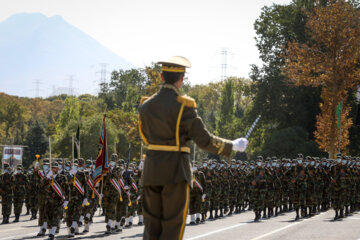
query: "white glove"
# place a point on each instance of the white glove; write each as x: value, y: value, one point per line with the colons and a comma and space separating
x: 101, y: 195
x: 65, y: 203
x: 240, y: 144
x: 126, y: 187
x: 73, y: 172
x: 84, y: 201
x: 49, y: 175
x: 203, y: 196
x: 138, y: 198
x: 36, y: 165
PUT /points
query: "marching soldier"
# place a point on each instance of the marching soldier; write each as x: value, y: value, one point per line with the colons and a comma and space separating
x: 167, y: 123
x: 19, y: 185
x: 6, y: 193
x: 56, y: 188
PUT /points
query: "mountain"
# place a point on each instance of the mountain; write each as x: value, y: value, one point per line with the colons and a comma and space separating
x: 34, y: 46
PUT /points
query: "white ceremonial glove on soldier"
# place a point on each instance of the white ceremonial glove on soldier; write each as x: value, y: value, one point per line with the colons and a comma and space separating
x: 73, y: 172
x: 36, y: 165
x: 126, y: 187
x: 203, y: 196
x: 49, y: 175
x: 138, y: 198
x: 65, y: 204
x: 101, y: 195
x: 84, y: 201
x: 240, y: 144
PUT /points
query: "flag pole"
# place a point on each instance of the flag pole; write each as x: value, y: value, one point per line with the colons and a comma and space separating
x: 339, y: 119
x: 50, y: 150
x: 72, y: 147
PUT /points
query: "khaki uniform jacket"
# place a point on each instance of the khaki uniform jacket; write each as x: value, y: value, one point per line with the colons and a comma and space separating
x: 158, y: 120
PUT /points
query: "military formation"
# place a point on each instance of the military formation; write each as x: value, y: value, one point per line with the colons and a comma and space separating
x: 271, y: 186
x: 64, y: 192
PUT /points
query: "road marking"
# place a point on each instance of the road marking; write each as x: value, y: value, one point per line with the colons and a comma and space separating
x: 283, y: 228
x: 217, y: 231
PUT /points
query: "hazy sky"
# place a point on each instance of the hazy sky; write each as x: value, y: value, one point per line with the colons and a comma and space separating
x: 143, y: 31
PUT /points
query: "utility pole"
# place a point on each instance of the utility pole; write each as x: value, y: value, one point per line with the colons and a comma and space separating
x: 224, y: 53
x: 37, y: 83
x: 71, y: 88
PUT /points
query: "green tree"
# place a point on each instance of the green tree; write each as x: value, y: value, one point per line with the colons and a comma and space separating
x: 36, y: 142
x: 280, y: 104
x: 227, y: 107
x: 70, y: 112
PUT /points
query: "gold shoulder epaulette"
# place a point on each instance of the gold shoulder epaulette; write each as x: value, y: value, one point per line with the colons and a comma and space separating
x: 143, y: 99
x: 187, y: 101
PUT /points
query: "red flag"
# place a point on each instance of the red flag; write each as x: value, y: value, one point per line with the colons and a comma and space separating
x: 101, y: 165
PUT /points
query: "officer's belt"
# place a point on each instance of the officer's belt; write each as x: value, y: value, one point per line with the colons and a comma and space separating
x: 168, y: 148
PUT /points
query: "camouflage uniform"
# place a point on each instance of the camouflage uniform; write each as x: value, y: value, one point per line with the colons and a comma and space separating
x: 32, y: 189
x: 19, y: 185
x: 6, y: 194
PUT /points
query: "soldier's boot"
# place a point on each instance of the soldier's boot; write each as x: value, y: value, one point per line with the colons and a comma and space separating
x: 141, y: 220
x: 336, y: 215
x: 297, y: 214
x: 341, y: 213
x: 203, y: 218
x: 108, y: 227
x: 347, y: 211
x: 231, y: 210
x: 257, y: 216
x: 52, y: 233
x: 197, y: 218
x: 16, y: 218
x: 302, y: 211
x: 4, y: 219
x: 315, y: 210
x: 192, y: 219
x: 211, y: 217
x: 270, y: 212
x: 264, y: 214
x: 42, y: 232
x: 86, y: 228
x: 27, y: 211
x: 276, y: 211
x: 221, y: 213
x: 71, y: 232
x: 216, y: 213
x: 291, y: 206
x: 285, y: 208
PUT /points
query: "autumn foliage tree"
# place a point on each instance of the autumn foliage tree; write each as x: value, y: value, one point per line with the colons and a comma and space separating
x: 331, y: 59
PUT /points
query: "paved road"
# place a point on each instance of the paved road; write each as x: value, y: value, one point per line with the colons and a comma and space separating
x: 239, y: 226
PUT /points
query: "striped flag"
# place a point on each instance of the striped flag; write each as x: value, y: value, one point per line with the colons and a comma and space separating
x: 78, y: 186
x: 133, y: 184
x: 41, y: 174
x: 116, y: 185
x: 92, y: 186
x: 101, y: 165
x: 57, y: 189
x: 122, y: 184
x: 197, y: 183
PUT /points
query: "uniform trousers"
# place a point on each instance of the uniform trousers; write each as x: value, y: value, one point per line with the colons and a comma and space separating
x: 165, y: 210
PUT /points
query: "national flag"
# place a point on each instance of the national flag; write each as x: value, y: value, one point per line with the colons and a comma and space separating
x: 77, y: 143
x: 92, y: 186
x: 101, y: 165
x: 78, y: 186
x: 197, y: 183
x: 57, y: 188
x: 338, y: 112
